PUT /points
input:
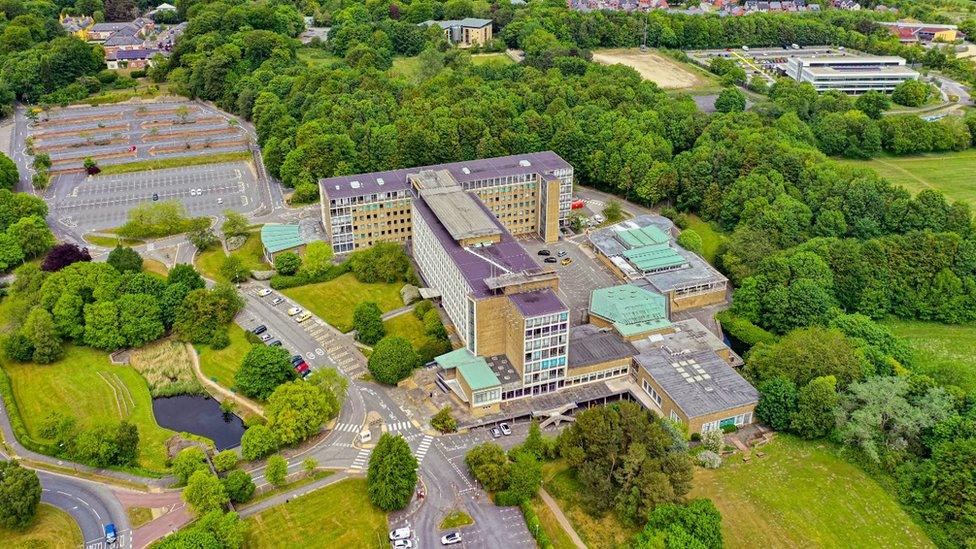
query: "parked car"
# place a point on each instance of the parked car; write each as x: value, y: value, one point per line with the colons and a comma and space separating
x: 296, y: 359
x: 303, y: 369
x: 544, y: 252
x: 110, y: 534
x: 259, y: 330
x: 294, y: 311
x: 303, y: 317
x: 266, y: 336
x: 277, y: 300
x: 400, y: 533
x: 264, y: 291
x: 451, y: 538
x: 496, y: 432
x: 403, y: 543
x: 566, y: 261
x: 274, y: 343
x: 505, y: 429
x: 562, y: 253
x: 551, y: 260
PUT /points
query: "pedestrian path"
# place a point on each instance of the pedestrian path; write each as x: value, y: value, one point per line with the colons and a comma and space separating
x: 346, y: 428
x: 398, y: 426
x: 424, y: 446
x: 360, y: 462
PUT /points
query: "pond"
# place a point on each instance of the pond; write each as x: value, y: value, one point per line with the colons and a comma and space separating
x: 200, y: 415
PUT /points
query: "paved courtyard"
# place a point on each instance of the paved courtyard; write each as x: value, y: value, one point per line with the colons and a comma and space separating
x: 101, y: 202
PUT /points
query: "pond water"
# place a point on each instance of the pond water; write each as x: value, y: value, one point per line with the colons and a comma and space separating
x: 199, y: 415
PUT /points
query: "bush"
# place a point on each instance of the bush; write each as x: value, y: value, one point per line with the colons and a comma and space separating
x: 744, y: 330
x: 239, y: 486
x: 281, y: 282
x: 443, y: 421
x: 535, y: 526
x: 257, y: 442
x: 730, y: 428
x: 220, y: 340
x: 690, y: 240
x: 713, y: 440
x: 225, y: 461
x: 422, y: 308
x: 709, y: 460
x: 138, y: 73
x: 367, y: 320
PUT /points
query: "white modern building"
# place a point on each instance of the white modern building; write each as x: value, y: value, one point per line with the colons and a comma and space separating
x: 850, y: 74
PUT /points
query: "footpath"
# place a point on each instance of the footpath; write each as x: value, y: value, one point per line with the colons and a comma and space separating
x: 561, y: 518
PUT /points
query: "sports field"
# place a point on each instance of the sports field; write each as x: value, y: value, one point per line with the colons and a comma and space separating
x: 944, y: 352
x: 667, y: 73
x: 802, y: 495
x: 87, y: 387
x: 952, y: 173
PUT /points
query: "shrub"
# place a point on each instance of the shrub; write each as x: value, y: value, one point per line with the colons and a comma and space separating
x: 220, y: 340
x: 443, y: 421
x: 535, y: 526
x: 709, y: 460
x: 225, y: 461
x: 257, y: 442
x: 713, y: 440
x: 367, y: 320
x: 239, y: 486
x: 393, y: 360
x: 422, y: 308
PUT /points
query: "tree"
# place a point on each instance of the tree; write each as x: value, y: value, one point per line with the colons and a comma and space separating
x: 262, y: 370
x: 102, y: 327
x: 235, y: 224
x: 815, y: 404
x: 287, y: 263
x: 534, y: 443
x: 297, y: 411
x: 392, y: 361
x: 43, y: 336
x: 126, y: 259
x: 333, y: 385
x: 443, y: 421
x: 392, y: 473
x: 257, y: 442
x: 690, y: 240
x: 187, y: 462
x: 225, y: 461
x: 276, y: 470
x: 186, y: 275
x: 807, y: 353
x: 318, y: 260
x: 127, y: 443
x: 233, y: 269
x: 205, y: 493
x: 367, y: 320
x: 32, y: 235
x: 20, y: 493
x: 777, y: 402
x: 238, y: 486
x: 309, y: 465
x: 203, y: 313
x: 140, y: 319
x: 612, y: 211
x: 62, y: 255
x: 697, y: 524
x: 384, y: 262
x: 730, y: 100
x: 204, y: 239
x: 8, y: 173
x: 524, y: 477
x: 216, y: 529
x: 911, y: 93
x: 489, y: 465
x: 873, y: 103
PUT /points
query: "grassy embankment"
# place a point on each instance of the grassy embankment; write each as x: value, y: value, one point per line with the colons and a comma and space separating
x: 335, y: 300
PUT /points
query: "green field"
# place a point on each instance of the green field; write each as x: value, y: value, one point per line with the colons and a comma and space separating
x: 163, y: 163
x: 953, y: 173
x: 52, y: 528
x: 251, y: 254
x: 335, y: 300
x: 711, y: 238
x: 597, y: 532
x: 315, y: 56
x: 86, y: 386
x: 946, y: 353
x: 221, y: 365
x: 409, y: 327
x: 803, y: 495
x: 339, y: 515
x: 405, y: 66
x: 485, y: 58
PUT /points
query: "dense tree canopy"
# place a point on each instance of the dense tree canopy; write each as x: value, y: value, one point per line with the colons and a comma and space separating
x: 20, y: 492
x: 392, y: 473
x: 264, y: 368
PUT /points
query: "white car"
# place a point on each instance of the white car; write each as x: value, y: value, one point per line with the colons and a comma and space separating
x: 277, y: 300
x: 451, y: 538
x: 264, y: 291
x: 400, y: 533
x: 403, y: 543
x: 294, y: 311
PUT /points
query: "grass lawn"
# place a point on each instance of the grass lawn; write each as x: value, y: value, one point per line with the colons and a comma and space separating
x: 138, y: 516
x: 944, y: 352
x: 711, y: 237
x: 86, y: 386
x: 52, y: 528
x: 315, y: 56
x: 335, y: 300
x: 251, y: 253
x: 953, y: 173
x: 803, y: 495
x: 408, y: 327
x: 163, y: 163
x: 455, y: 519
x: 405, y: 66
x: 339, y: 515
x: 596, y: 532
x: 155, y: 267
x: 559, y: 538
x: 485, y: 58
x: 221, y: 365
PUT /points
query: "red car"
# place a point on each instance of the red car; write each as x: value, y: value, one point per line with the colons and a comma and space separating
x: 302, y: 369
x: 577, y: 204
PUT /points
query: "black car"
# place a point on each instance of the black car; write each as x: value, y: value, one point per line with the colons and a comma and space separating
x: 296, y: 359
x: 544, y: 252
x: 260, y: 330
x: 551, y: 260
x: 274, y: 343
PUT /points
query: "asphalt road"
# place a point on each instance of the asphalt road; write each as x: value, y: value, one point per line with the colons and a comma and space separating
x: 91, y: 505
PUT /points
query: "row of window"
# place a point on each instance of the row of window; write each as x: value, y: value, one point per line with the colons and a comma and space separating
x: 545, y: 330
x: 597, y: 376
x: 738, y: 421
x: 650, y: 391
x: 699, y: 288
x: 545, y: 364
x: 484, y: 398
x: 547, y: 319
x: 368, y: 198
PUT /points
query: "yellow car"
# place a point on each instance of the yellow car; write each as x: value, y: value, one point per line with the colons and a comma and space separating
x: 303, y: 317
x: 566, y: 261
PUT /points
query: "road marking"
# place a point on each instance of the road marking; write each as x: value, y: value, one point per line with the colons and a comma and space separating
x: 424, y: 446
x: 346, y: 428
x: 360, y: 460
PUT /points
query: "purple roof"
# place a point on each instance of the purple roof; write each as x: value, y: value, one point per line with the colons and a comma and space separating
x: 538, y: 302
x: 482, y: 262
x: 131, y: 54
x: 466, y: 171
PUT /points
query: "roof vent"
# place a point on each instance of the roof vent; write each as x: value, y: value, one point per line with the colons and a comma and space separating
x: 524, y: 163
x: 354, y: 184
x: 379, y: 181
x: 466, y: 170
x: 337, y: 187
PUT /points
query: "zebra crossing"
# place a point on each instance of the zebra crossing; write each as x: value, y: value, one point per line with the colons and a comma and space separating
x: 398, y: 426
x: 346, y: 428
x: 423, y: 447
x: 360, y: 461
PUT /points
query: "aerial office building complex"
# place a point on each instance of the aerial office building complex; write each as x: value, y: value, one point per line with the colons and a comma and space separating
x: 849, y: 73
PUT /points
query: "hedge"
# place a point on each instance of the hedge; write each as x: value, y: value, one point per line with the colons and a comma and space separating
x: 281, y: 282
x: 535, y: 525
x: 744, y: 330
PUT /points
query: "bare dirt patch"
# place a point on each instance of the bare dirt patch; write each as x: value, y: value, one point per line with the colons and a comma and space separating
x: 666, y: 73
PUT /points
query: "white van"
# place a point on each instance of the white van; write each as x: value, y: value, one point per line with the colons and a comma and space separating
x: 365, y: 436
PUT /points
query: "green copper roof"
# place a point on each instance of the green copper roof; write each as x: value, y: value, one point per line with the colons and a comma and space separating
x: 654, y: 257
x: 631, y: 309
x: 276, y: 237
x: 474, y: 369
x: 643, y: 236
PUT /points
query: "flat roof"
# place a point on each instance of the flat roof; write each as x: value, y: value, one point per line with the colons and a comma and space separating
x: 689, y: 335
x: 700, y: 383
x: 841, y: 59
x: 545, y: 163
x: 653, y: 257
x: 589, y: 345
x: 862, y: 71
x: 459, y: 212
x: 631, y: 309
x: 537, y: 303
x: 474, y: 369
